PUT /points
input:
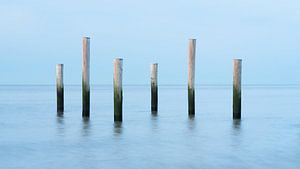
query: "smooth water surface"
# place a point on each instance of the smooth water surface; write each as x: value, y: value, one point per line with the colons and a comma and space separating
x: 32, y: 136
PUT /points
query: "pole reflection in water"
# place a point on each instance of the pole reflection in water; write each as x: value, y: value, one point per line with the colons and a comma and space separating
x: 118, y: 128
x: 236, y: 132
x: 236, y: 125
x: 60, y: 114
x: 191, y: 122
x: 154, y: 116
x: 86, y: 127
x: 60, y: 124
x: 154, y: 122
x: 154, y: 113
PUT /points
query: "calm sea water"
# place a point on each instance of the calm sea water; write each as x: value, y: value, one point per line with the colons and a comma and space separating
x: 32, y: 136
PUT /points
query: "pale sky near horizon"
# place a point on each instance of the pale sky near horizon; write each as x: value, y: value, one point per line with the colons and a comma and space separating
x: 38, y: 34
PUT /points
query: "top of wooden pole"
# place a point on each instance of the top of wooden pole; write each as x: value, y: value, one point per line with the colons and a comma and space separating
x: 191, y: 62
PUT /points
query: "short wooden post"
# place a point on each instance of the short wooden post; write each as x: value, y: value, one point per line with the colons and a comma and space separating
x: 191, y: 76
x: 59, y: 88
x: 154, y: 88
x: 237, y: 72
x: 86, y: 78
x: 118, y: 91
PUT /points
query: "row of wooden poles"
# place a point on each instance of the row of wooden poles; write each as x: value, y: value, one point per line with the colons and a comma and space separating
x: 117, y: 84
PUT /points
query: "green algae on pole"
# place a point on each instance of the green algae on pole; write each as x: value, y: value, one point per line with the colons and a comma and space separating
x: 191, y: 77
x: 118, y: 91
x: 237, y: 78
x: 59, y: 88
x: 154, y: 88
x: 86, y: 77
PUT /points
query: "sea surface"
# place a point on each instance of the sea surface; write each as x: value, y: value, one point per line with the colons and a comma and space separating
x: 32, y: 136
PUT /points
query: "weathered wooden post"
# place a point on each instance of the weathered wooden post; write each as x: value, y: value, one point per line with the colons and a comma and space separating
x: 237, y: 72
x: 59, y: 88
x: 86, y: 78
x: 154, y: 88
x: 118, y: 91
x: 191, y: 77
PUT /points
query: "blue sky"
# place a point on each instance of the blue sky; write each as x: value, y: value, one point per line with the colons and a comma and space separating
x: 38, y: 34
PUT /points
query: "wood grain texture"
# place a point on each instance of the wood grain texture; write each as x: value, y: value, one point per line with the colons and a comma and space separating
x: 191, y: 76
x: 154, y: 88
x: 59, y: 88
x: 118, y: 91
x: 237, y: 90
x: 86, y: 77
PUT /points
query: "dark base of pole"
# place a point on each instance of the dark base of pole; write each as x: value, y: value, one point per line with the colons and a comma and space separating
x: 118, y: 111
x: 60, y: 100
x: 154, y: 99
x: 237, y: 104
x: 236, y: 115
x: 118, y: 116
x: 60, y: 109
x: 154, y: 109
x: 86, y: 104
x: 191, y: 102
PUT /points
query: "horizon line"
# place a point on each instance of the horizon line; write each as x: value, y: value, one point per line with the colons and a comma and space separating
x: 212, y: 84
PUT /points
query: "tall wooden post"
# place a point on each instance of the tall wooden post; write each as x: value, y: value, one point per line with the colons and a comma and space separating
x: 118, y: 91
x: 154, y: 88
x: 86, y: 78
x: 59, y: 88
x: 237, y: 78
x: 191, y: 77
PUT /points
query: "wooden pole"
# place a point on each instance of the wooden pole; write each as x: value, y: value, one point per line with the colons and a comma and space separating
x: 237, y: 78
x: 191, y: 77
x: 154, y: 88
x: 59, y: 88
x: 86, y: 78
x: 118, y: 91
